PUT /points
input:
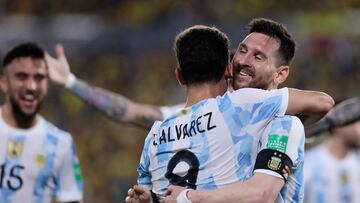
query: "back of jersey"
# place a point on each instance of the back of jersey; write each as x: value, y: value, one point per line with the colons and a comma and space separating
x: 210, y: 144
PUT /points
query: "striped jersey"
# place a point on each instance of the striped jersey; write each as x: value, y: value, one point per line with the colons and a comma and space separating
x: 38, y: 164
x: 331, y: 180
x: 286, y: 134
x: 210, y: 144
x: 167, y: 111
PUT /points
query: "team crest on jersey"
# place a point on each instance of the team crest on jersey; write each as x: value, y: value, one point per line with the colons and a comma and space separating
x: 274, y: 163
x: 40, y: 160
x: 344, y: 178
x: 14, y: 148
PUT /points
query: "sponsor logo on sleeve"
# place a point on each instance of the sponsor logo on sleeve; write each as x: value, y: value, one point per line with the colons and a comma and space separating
x: 77, y: 172
x: 277, y: 142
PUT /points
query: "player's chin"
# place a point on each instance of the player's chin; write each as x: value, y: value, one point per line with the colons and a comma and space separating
x: 30, y: 111
x: 241, y: 84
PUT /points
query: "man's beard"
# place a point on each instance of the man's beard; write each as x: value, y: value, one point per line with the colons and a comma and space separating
x: 20, y: 115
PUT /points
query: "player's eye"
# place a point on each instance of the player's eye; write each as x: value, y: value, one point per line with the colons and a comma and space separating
x: 242, y: 50
x: 21, y: 76
x: 39, y: 78
x: 259, y: 57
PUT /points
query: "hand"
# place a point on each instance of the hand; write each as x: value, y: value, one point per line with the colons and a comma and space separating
x: 59, y: 69
x: 138, y: 194
x: 173, y: 193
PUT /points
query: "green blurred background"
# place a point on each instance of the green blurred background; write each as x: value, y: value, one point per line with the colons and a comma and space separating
x: 126, y: 46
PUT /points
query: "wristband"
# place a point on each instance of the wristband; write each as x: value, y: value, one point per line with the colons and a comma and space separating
x: 70, y: 81
x: 182, y: 198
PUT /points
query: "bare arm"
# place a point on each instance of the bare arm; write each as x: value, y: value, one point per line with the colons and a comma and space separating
x: 117, y: 106
x: 310, y: 105
x: 259, y: 188
x: 114, y: 105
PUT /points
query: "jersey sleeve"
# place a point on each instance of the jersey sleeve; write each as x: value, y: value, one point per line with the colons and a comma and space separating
x: 69, y: 183
x: 267, y: 102
x: 144, y: 178
x: 285, y: 134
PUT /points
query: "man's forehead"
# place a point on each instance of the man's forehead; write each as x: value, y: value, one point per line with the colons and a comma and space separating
x: 261, y: 41
x: 27, y: 62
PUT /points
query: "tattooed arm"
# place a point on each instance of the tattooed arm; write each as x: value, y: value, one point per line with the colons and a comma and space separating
x: 114, y: 105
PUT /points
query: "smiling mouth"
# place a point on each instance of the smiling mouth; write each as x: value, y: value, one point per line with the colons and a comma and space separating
x: 245, y: 73
x: 28, y: 100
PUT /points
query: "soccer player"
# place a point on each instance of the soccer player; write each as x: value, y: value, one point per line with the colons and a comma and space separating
x: 37, y: 160
x: 213, y: 142
x: 332, y: 168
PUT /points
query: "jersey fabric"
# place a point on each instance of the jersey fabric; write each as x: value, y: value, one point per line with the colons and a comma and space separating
x: 37, y: 164
x: 210, y: 144
x: 330, y: 180
x: 286, y: 134
x: 168, y: 111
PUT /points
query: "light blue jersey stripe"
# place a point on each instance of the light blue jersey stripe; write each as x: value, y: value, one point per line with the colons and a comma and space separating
x: 205, y: 180
x: 45, y: 173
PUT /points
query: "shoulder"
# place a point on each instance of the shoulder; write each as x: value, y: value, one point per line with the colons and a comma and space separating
x: 168, y: 111
x: 58, y: 134
x: 250, y: 95
x: 290, y: 125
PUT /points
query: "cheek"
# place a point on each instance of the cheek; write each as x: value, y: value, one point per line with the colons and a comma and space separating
x: 44, y: 87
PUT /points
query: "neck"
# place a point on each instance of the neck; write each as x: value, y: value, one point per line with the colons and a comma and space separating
x: 197, y: 93
x: 337, y: 147
x: 17, y: 121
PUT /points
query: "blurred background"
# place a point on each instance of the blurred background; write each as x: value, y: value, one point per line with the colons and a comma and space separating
x: 126, y: 46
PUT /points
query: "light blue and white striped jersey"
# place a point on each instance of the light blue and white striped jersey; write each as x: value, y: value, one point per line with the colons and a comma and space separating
x: 210, y: 144
x: 37, y: 164
x: 286, y: 134
x: 330, y: 180
x: 167, y: 111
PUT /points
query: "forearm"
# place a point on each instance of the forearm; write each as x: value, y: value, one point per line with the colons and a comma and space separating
x: 256, y: 189
x: 115, y: 105
x: 314, y: 105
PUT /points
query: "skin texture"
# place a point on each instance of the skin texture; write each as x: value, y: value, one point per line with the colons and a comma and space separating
x: 255, y: 63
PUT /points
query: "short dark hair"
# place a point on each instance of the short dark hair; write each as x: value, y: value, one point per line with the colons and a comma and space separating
x: 276, y: 30
x: 202, y: 53
x: 29, y: 49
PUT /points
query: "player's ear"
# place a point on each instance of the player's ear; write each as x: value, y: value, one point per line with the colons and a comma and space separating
x: 282, y: 74
x: 179, y: 76
x: 228, y: 71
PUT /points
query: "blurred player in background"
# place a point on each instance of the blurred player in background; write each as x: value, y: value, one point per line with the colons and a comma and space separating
x: 38, y: 160
x: 332, y: 169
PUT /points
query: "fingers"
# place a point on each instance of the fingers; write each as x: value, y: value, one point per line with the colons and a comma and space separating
x: 130, y: 197
x: 59, y: 49
x: 170, y: 189
x: 139, y: 189
x: 131, y: 192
